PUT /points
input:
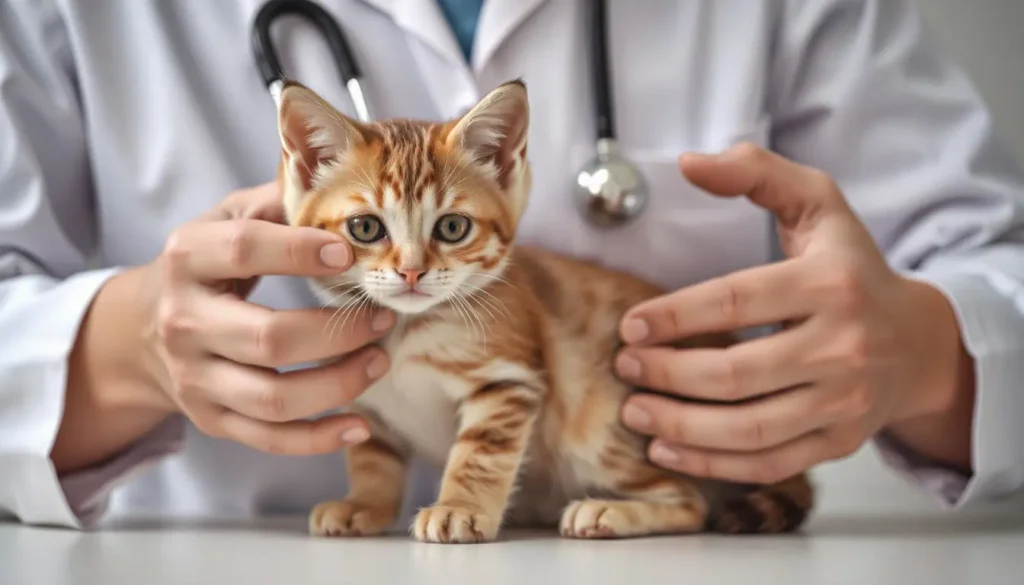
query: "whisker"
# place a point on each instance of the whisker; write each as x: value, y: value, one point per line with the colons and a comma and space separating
x: 498, y: 278
x: 490, y: 299
x: 483, y: 328
x: 458, y: 309
x: 341, y: 311
x: 342, y: 315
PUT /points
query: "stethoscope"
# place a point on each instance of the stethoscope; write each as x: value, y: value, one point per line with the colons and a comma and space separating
x: 610, y: 191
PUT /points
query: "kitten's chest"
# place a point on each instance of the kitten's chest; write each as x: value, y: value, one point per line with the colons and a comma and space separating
x: 417, y: 402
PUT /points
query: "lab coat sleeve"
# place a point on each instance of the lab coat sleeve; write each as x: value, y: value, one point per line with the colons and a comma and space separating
x: 860, y: 91
x: 47, y: 231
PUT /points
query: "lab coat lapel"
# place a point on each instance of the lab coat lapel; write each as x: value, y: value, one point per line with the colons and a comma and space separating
x: 498, y: 20
x: 424, y: 20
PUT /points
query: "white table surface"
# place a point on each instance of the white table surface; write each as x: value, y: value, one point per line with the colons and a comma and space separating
x: 905, y: 550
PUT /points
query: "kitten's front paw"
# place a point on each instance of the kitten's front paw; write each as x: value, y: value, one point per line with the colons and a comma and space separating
x: 453, y: 524
x: 348, y: 518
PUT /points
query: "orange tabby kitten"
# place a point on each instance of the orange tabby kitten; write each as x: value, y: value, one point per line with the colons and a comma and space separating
x: 502, y: 356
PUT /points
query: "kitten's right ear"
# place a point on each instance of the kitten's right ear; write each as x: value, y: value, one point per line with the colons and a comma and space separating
x: 313, y: 136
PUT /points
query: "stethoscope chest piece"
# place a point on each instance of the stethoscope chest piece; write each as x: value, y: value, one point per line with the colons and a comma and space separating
x: 610, y: 191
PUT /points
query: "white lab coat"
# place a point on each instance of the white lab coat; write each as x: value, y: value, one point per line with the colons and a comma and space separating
x: 121, y: 119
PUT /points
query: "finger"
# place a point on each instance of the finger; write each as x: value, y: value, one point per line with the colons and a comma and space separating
x: 257, y: 202
x: 738, y: 372
x: 325, y: 435
x: 794, y: 193
x: 763, y: 467
x: 243, y: 248
x: 271, y: 396
x: 753, y: 426
x: 752, y: 297
x: 251, y: 334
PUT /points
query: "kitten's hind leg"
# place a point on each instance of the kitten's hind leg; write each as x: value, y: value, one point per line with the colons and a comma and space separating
x: 376, y: 473
x: 770, y: 509
x: 626, y: 518
x: 656, y: 503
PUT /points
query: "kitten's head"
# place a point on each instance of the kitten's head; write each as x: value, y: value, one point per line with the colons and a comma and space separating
x: 431, y: 209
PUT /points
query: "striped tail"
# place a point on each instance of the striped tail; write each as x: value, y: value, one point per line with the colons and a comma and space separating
x: 776, y: 508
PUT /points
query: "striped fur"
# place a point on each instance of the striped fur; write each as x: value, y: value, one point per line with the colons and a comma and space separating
x: 502, y: 362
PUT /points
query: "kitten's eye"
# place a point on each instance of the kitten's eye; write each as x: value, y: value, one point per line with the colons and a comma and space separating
x: 366, y: 228
x: 451, y: 228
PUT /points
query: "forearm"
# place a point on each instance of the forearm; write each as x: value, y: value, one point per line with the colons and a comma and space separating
x: 112, y: 398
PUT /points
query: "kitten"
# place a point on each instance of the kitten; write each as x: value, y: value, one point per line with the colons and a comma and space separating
x: 502, y: 355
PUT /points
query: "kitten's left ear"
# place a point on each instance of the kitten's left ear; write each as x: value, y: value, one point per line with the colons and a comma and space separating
x: 313, y: 135
x: 494, y: 133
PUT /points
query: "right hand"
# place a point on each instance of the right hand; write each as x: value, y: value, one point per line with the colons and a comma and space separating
x: 214, y: 355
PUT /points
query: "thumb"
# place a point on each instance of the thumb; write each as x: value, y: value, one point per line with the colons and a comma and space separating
x: 795, y: 194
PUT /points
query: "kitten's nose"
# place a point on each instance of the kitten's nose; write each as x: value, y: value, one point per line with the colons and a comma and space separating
x: 411, y: 275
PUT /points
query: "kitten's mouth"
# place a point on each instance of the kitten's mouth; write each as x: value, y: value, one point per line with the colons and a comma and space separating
x: 410, y: 293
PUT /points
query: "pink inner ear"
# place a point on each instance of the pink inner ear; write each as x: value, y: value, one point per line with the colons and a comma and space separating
x: 304, y: 158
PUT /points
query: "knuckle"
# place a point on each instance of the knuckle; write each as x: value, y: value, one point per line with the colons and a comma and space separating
x: 856, y: 350
x: 860, y: 402
x: 174, y: 322
x: 186, y: 382
x: 731, y: 377
x: 729, y: 302
x: 269, y: 341
x: 175, y: 252
x: 752, y: 434
x: 676, y: 431
x: 750, y: 151
x: 665, y: 376
x: 240, y: 244
x: 270, y: 403
x: 846, y: 287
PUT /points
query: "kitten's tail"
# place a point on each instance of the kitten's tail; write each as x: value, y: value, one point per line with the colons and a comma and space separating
x: 776, y: 508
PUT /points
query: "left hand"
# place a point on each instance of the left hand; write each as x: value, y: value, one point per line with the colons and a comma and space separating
x: 862, y: 347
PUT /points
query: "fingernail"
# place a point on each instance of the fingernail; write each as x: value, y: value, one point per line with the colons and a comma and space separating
x: 383, y: 321
x: 628, y: 366
x: 634, y: 330
x: 664, y: 454
x: 355, y: 435
x: 335, y: 255
x: 377, y: 366
x: 636, y: 418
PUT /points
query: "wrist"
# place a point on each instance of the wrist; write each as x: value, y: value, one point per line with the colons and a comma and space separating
x: 111, y: 361
x: 937, y: 419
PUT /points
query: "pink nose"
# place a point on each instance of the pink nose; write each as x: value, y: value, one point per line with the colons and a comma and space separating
x: 411, y: 275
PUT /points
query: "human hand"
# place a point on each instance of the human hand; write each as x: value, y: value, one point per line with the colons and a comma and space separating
x: 213, y: 355
x: 861, y: 346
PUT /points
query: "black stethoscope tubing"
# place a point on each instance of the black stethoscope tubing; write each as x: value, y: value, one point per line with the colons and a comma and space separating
x: 269, y: 63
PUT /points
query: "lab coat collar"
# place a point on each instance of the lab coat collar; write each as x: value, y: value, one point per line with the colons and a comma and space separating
x: 498, y: 20
x: 424, y: 19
